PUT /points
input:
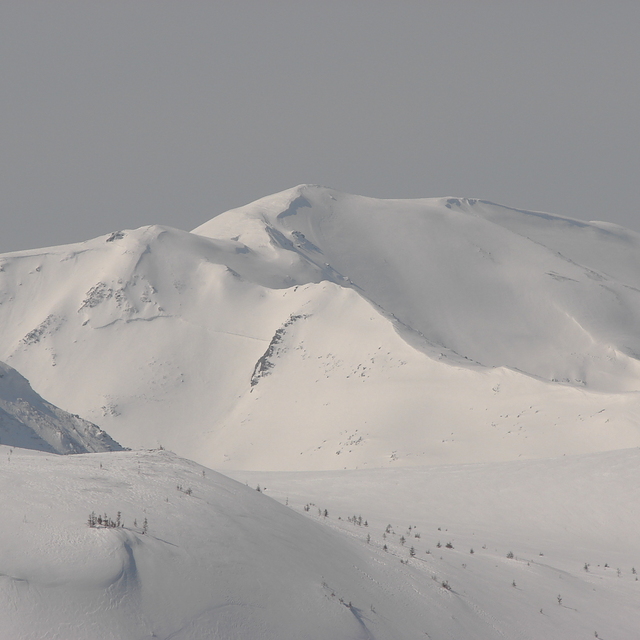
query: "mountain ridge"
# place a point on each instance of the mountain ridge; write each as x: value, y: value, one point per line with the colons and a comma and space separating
x: 28, y: 421
x: 413, y: 313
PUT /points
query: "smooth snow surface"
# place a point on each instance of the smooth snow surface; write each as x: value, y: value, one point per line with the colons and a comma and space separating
x: 318, y: 330
x: 28, y: 421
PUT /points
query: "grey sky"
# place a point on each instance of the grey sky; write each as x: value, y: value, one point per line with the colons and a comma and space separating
x: 118, y: 114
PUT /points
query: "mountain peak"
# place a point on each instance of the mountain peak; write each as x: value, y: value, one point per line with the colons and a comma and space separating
x: 401, y: 307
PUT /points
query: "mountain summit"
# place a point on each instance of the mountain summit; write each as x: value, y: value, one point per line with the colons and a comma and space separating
x: 545, y: 295
x: 315, y: 329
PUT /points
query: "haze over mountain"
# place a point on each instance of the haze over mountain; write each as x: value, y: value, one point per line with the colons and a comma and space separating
x: 318, y: 330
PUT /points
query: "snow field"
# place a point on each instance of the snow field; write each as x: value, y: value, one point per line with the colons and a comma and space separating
x: 532, y: 525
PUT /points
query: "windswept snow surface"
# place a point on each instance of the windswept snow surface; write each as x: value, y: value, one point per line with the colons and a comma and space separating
x: 222, y: 560
x: 28, y: 421
x: 218, y: 559
x: 318, y: 330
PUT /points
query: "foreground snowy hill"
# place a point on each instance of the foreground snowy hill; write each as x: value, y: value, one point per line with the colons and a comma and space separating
x: 201, y: 556
x: 28, y: 421
x: 197, y: 556
x: 313, y: 329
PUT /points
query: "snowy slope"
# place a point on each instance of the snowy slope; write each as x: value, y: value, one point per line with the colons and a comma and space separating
x: 221, y: 560
x: 521, y: 534
x: 313, y: 329
x: 218, y: 559
x: 542, y: 294
x: 29, y: 422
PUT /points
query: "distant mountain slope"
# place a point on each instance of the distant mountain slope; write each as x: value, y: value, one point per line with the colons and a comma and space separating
x: 29, y: 422
x: 313, y: 329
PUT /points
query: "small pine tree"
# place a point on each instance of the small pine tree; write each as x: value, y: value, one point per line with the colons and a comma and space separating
x: 384, y: 548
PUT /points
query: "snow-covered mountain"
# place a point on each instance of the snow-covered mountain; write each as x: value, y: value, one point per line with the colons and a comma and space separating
x: 526, y: 549
x: 29, y: 422
x: 343, y: 343
x: 314, y: 329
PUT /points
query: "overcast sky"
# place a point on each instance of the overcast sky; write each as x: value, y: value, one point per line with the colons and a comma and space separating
x: 119, y: 114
